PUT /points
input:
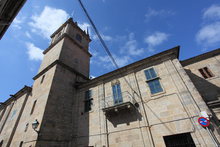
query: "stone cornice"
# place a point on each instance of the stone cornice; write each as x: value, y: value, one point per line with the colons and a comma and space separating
x: 200, y: 57
x: 70, y: 21
x: 58, y: 62
x: 171, y: 53
x: 25, y: 89
x: 60, y: 38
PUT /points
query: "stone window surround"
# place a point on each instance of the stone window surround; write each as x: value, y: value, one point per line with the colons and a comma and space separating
x: 158, y: 77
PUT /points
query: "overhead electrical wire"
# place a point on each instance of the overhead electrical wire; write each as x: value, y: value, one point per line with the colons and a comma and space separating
x: 99, y: 36
x: 104, y: 44
x: 109, y: 53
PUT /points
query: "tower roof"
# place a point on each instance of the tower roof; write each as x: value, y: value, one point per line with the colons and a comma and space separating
x: 74, y: 24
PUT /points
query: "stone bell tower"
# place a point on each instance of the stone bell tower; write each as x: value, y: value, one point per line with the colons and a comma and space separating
x: 66, y: 62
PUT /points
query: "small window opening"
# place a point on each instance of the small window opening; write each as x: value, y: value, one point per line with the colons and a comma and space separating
x: 206, y: 73
x: 21, y: 144
x: 179, y: 140
x: 88, y: 100
x: 79, y: 37
x: 42, y: 79
x: 32, y: 109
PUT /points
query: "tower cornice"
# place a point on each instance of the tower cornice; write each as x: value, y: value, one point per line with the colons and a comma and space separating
x: 68, y: 36
x: 58, y: 62
x: 74, y: 24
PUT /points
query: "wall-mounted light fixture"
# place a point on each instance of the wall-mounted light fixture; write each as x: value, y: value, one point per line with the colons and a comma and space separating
x: 35, y: 124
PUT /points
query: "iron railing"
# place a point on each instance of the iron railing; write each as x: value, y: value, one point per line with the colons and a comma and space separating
x: 110, y: 102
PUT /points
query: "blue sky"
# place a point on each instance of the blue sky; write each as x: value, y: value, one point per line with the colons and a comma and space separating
x: 133, y: 30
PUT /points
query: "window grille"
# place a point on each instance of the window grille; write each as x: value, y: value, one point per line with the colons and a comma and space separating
x: 153, y: 81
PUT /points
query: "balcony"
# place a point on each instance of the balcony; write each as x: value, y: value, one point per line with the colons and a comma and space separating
x: 113, y: 107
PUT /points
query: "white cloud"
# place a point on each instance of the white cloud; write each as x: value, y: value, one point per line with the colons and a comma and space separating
x: 17, y: 22
x: 28, y: 34
x: 48, y: 21
x: 34, y: 53
x: 120, y: 60
x: 92, y: 77
x: 213, y: 12
x: 131, y: 46
x: 104, y: 37
x: 157, y: 13
x: 209, y: 34
x: 155, y: 39
x: 84, y: 26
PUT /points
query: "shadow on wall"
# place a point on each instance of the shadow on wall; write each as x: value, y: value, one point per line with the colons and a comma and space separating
x: 125, y: 116
x: 208, y: 91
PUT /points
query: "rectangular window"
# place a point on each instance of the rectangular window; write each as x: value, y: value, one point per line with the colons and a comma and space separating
x: 33, y: 106
x: 206, y: 73
x: 117, y: 96
x: 88, y: 100
x: 153, y: 81
x: 179, y: 140
x: 21, y: 144
x: 42, y: 79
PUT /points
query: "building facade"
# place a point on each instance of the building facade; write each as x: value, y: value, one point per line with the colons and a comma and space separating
x: 8, y: 11
x: 154, y: 102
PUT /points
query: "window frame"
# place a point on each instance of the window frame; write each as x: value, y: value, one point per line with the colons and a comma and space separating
x: 154, y: 79
x: 119, y: 96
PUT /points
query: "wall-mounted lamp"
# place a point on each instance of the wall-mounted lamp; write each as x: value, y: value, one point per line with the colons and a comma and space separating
x: 35, y: 124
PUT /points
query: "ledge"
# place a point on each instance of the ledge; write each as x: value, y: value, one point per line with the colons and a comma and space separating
x: 114, y: 110
x: 58, y: 62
